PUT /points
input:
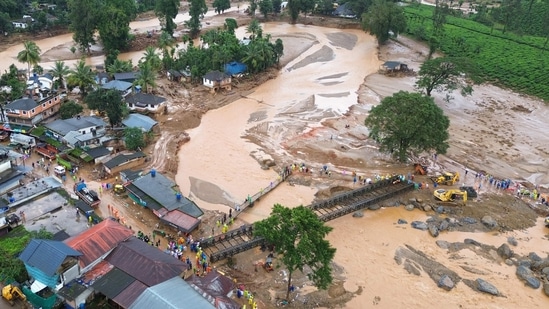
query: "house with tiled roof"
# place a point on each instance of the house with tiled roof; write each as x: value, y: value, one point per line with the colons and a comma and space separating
x: 97, y: 242
x: 30, y: 111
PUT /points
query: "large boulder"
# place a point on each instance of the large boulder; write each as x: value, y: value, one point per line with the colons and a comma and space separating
x: 443, y: 244
x: 420, y: 225
x: 541, y: 265
x: 489, y: 222
x: 470, y: 241
x: 512, y: 241
x: 374, y: 206
x: 526, y: 275
x: 409, y: 207
x: 534, y: 257
x: 546, y: 288
x: 469, y: 220
x: 486, y: 287
x: 433, y: 230
x: 545, y: 271
x: 427, y: 207
x: 505, y: 252
x: 446, y: 283
x: 358, y: 214
x: 444, y: 225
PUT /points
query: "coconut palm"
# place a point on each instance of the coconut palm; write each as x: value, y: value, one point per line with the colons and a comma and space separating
x: 146, y: 77
x: 120, y: 66
x: 150, y: 56
x: 254, y: 28
x: 29, y: 55
x: 60, y: 71
x: 82, y: 77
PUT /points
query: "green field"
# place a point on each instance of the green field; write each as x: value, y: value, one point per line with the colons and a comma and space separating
x: 517, y: 62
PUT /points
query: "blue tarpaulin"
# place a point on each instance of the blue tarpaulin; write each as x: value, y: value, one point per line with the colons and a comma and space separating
x: 234, y: 67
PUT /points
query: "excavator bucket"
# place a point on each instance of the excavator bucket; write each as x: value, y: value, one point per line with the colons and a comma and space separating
x: 420, y: 169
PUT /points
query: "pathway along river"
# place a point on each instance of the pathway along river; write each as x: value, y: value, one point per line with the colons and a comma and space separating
x: 217, y: 167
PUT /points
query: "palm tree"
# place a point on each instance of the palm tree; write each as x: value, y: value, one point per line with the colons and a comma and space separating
x: 82, y: 77
x: 150, y: 56
x: 120, y: 66
x: 29, y: 55
x: 146, y: 77
x: 59, y: 71
x: 254, y: 28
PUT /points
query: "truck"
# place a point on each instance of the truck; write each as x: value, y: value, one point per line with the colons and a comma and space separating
x: 22, y: 140
x: 46, y: 150
x: 89, y: 197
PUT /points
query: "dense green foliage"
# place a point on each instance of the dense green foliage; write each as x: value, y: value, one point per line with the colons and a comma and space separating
x: 11, y: 87
x: 84, y: 17
x: 221, y: 5
x: 70, y: 109
x: 134, y: 138
x: 222, y: 47
x: 114, y: 24
x: 166, y: 11
x: 108, y: 101
x: 11, y: 245
x: 382, y: 18
x: 197, y: 9
x: 408, y: 122
x: 517, y: 62
x: 298, y: 235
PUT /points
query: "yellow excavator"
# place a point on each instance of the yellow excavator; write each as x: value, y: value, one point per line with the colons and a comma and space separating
x: 447, y: 178
x: 451, y: 195
x: 11, y: 292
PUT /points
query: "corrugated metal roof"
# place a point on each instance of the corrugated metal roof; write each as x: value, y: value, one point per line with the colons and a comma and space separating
x: 130, y: 294
x: 114, y: 282
x: 98, y: 240
x: 145, y: 98
x: 46, y: 255
x: 71, y: 290
x: 123, y: 158
x: 144, y: 262
x: 143, y: 122
x: 117, y: 85
x: 174, y: 293
x: 161, y: 190
x: 180, y: 219
x: 64, y: 126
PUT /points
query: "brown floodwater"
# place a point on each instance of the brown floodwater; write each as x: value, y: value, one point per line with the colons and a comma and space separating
x: 218, y: 154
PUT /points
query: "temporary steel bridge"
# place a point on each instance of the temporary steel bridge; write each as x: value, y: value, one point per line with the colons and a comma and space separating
x: 242, y: 239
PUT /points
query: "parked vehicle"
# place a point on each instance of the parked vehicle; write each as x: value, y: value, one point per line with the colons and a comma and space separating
x: 23, y: 140
x: 90, y: 197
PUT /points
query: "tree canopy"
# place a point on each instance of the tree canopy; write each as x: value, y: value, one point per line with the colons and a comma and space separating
x: 197, y: 9
x: 382, y: 18
x: 108, y: 101
x: 84, y: 17
x: 444, y: 74
x: 70, y: 109
x: 221, y: 5
x: 11, y: 87
x: 166, y: 11
x: 298, y: 235
x: 408, y: 122
x: 134, y: 138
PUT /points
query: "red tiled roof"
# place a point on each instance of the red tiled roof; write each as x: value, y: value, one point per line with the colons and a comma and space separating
x: 144, y: 262
x: 98, y: 240
x: 130, y: 294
